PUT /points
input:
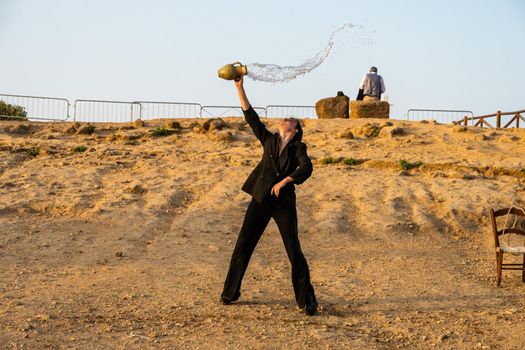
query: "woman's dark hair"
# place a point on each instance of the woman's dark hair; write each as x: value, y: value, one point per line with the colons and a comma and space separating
x: 299, y: 134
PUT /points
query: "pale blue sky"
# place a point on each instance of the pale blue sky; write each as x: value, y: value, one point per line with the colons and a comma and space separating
x: 432, y: 54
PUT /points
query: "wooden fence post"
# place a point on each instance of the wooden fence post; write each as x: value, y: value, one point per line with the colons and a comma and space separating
x: 498, y: 119
x: 465, y: 120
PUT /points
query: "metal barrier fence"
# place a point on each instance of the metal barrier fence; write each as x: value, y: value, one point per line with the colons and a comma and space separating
x: 35, y: 107
x: 158, y: 110
x: 103, y: 111
x: 228, y: 111
x: 58, y: 109
x: 444, y: 116
x: 289, y: 111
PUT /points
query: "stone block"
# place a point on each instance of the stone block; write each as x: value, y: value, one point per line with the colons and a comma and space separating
x: 369, y: 109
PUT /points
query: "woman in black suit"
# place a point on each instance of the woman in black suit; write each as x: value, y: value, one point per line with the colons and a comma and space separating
x: 271, y: 185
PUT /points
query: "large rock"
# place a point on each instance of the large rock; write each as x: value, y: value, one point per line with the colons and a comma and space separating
x: 213, y: 124
x: 369, y: 109
x: 332, y: 107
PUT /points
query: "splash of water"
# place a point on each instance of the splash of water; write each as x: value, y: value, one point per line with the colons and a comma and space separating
x: 276, y: 74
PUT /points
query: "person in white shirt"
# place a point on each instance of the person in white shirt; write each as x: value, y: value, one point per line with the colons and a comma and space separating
x: 371, y: 87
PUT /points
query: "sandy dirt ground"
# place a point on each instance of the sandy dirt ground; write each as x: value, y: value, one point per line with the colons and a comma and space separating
x: 125, y: 243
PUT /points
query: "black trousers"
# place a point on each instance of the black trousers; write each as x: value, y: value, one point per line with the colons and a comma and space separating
x: 282, y: 209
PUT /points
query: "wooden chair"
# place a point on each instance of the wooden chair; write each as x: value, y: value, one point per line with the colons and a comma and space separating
x: 502, y: 249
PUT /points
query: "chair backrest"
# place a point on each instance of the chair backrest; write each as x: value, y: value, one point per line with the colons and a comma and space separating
x: 502, y: 212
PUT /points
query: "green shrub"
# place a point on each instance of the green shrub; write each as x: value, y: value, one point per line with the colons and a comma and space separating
x: 161, y: 132
x: 407, y: 166
x: 89, y: 129
x: 79, y: 149
x: 351, y: 161
x: 376, y: 132
x: 14, y: 111
x: 327, y: 160
x: 33, y: 152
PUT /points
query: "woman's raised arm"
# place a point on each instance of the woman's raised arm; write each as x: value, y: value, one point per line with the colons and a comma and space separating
x: 251, y: 117
x: 239, y: 84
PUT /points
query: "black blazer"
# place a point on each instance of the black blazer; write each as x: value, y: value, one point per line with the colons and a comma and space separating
x: 266, y: 174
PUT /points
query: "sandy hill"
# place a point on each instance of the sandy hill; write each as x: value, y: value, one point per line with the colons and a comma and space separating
x: 119, y: 236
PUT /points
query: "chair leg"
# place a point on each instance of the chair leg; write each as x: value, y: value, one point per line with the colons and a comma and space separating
x: 499, y: 264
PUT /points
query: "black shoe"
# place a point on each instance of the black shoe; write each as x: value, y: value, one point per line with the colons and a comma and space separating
x: 310, y: 306
x: 226, y: 301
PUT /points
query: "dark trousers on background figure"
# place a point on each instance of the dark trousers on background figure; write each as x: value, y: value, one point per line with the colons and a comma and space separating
x: 282, y: 209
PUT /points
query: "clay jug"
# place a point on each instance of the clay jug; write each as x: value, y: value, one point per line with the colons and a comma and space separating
x: 233, y: 71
